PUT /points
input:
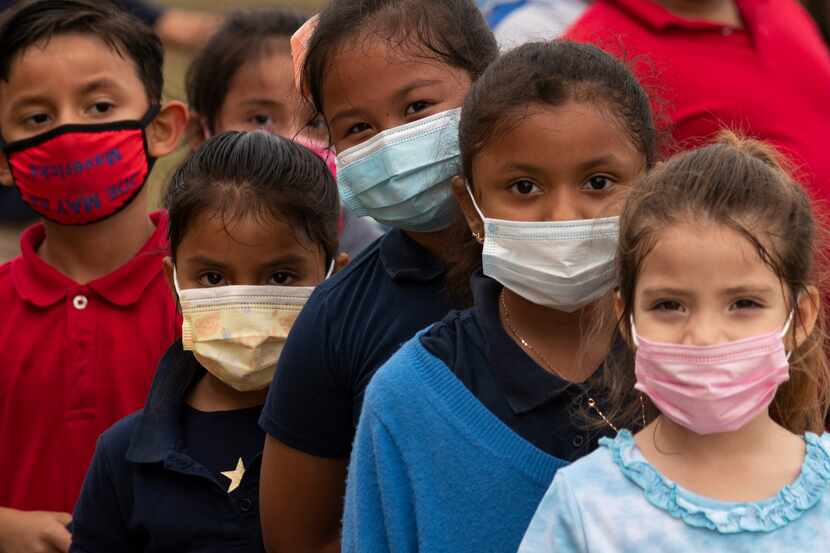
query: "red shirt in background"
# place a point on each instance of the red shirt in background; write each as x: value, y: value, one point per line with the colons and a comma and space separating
x: 73, y: 360
x: 769, y: 79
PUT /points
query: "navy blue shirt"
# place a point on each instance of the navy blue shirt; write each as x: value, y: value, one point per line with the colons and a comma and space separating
x: 535, y: 403
x: 350, y: 326
x: 147, y: 491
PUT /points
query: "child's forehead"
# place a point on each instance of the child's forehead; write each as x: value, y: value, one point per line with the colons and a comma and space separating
x: 73, y: 57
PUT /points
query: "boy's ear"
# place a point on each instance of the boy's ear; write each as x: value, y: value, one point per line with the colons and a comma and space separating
x: 804, y: 321
x: 5, y: 171
x: 459, y: 190
x: 165, y: 131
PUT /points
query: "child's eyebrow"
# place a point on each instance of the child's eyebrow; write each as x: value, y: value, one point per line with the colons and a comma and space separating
x: 751, y: 290
x: 30, y: 100
x: 98, y: 84
x: 665, y: 291
x: 284, y: 260
x: 598, y: 161
x: 414, y: 85
x: 261, y: 102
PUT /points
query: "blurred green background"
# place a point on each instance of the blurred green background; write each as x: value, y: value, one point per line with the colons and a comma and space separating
x: 177, y: 61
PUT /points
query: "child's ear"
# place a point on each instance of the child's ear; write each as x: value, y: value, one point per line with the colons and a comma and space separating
x: 5, y: 171
x: 808, y: 308
x: 459, y: 190
x: 165, y: 131
x: 340, y: 262
x: 168, y: 274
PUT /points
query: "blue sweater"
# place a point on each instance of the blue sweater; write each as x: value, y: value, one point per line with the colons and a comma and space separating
x: 433, y: 470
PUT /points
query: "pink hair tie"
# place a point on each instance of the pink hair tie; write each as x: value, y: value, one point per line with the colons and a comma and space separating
x: 299, y: 50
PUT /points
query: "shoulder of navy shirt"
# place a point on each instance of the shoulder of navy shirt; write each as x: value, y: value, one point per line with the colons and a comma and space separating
x: 533, y: 402
x: 351, y: 325
x: 144, y: 493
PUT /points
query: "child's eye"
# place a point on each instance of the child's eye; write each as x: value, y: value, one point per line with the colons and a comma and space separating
x: 261, y: 120
x: 745, y: 303
x: 667, y: 305
x: 598, y: 183
x: 415, y: 107
x: 36, y: 119
x: 525, y: 187
x: 101, y: 108
x: 281, y: 278
x: 357, y: 128
x: 212, y: 278
x: 317, y: 122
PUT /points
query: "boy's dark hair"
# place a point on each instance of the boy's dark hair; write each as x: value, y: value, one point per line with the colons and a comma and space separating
x: 34, y: 21
x: 453, y: 31
x: 548, y: 74
x: 240, y: 174
x: 241, y: 39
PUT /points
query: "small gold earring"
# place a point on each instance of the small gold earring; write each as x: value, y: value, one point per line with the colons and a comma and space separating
x: 479, y: 238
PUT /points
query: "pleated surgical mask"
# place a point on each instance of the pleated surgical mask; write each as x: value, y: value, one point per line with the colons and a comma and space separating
x: 564, y: 265
x: 237, y: 332
x: 401, y: 176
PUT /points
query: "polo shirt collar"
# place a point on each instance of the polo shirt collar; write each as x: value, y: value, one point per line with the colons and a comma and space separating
x: 41, y: 284
x: 655, y: 16
x: 157, y: 433
x: 525, y: 384
x: 405, y: 259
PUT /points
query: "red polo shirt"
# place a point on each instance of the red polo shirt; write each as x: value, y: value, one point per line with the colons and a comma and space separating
x: 73, y: 360
x: 769, y: 79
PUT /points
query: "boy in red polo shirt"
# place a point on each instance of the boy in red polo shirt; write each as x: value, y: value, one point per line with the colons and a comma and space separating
x: 759, y: 66
x: 86, y: 313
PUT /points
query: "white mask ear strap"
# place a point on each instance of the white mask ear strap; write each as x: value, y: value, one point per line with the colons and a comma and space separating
x: 176, y: 282
x: 787, y: 329
x: 473, y: 199
x: 633, y: 330
x: 331, y: 269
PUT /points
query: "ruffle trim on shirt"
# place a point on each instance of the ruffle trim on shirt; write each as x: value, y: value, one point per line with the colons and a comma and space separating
x: 727, y: 517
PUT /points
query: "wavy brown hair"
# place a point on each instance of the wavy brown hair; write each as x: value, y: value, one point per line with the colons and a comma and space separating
x: 745, y: 185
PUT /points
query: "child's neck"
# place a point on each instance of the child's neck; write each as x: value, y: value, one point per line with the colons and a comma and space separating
x: 749, y: 464
x: 211, y: 394
x: 87, y: 252
x: 717, y: 11
x: 557, y: 338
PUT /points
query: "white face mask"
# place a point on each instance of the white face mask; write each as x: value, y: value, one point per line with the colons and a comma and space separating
x: 237, y: 332
x: 564, y: 265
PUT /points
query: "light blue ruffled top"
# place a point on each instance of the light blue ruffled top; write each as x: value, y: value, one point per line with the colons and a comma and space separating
x: 615, y: 501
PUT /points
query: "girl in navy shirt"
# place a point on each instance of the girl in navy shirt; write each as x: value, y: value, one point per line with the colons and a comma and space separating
x: 253, y: 228
x: 388, y: 77
x: 479, y: 409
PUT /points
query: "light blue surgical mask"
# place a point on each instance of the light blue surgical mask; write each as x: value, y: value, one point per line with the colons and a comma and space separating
x: 401, y: 176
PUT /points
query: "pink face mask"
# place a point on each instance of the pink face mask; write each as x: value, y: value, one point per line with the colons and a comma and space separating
x: 711, y: 389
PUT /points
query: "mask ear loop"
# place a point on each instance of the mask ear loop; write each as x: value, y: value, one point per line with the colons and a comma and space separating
x: 331, y: 269
x: 476, y: 235
x: 633, y: 330
x: 786, y: 329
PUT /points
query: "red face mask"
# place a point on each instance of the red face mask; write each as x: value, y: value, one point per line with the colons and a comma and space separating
x: 79, y: 174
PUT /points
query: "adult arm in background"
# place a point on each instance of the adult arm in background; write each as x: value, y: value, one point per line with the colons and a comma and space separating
x: 302, y: 496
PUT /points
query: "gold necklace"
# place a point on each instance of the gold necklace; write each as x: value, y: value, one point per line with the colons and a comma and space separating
x: 528, y: 346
